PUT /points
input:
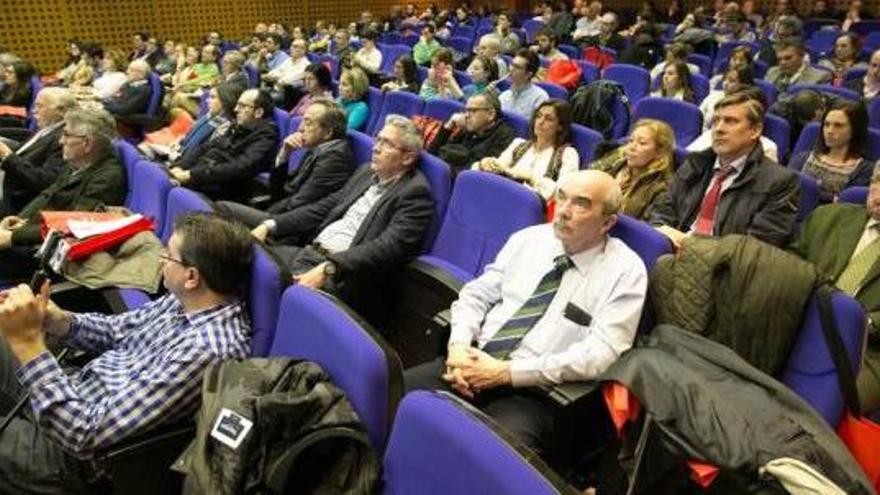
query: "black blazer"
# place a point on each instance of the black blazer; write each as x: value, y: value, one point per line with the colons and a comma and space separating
x: 762, y: 201
x: 323, y: 171
x: 222, y: 167
x: 133, y: 98
x: 391, y: 234
x: 101, y: 183
x: 32, y: 170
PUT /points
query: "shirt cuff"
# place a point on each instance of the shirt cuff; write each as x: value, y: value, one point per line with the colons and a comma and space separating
x: 524, y: 373
x: 271, y: 224
x: 38, y: 369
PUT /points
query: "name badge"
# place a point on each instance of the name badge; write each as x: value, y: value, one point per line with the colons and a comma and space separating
x: 231, y: 428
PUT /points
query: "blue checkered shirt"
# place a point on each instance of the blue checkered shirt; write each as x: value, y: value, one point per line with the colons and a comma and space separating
x: 148, y: 371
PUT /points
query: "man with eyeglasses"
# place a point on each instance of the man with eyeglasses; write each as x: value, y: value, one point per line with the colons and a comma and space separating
x: 92, y: 177
x: 354, y: 241
x: 326, y: 166
x: 523, y: 97
x: 133, y: 97
x: 559, y: 303
x: 474, y: 134
x: 147, y: 367
x: 222, y: 167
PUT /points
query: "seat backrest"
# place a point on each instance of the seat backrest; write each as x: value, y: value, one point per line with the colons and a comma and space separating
x: 809, y: 196
x: 572, y: 52
x: 821, y: 41
x: 636, y: 81
x: 129, y: 156
x: 315, y: 326
x: 865, y: 27
x: 844, y: 93
x: 519, y: 123
x: 361, y: 147
x: 390, y: 53
x: 484, y: 211
x: 701, y: 61
x: 645, y: 240
x: 777, y: 130
x: 400, y: 103
x: 157, y: 92
x: 810, y: 369
x: 531, y: 27
x: 855, y: 194
x: 282, y: 121
x: 440, y: 179
x: 684, y: 118
x: 181, y: 200
x: 374, y: 102
x: 464, y: 31
x: 410, y: 39
x: 442, y: 108
x: 440, y: 445
x: 874, y: 113
x: 769, y: 90
x: 462, y: 78
x: 554, y: 91
x: 36, y: 86
x: 700, y: 85
x: 460, y: 44
x: 149, y: 193
x: 585, y: 141
x: 332, y: 64
x: 589, y: 71
x: 253, y: 75
x: 267, y: 281
x: 807, y: 138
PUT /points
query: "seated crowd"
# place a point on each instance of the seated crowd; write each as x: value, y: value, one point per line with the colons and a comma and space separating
x: 559, y: 303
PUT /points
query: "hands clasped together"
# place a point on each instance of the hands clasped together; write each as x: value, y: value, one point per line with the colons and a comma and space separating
x: 470, y: 370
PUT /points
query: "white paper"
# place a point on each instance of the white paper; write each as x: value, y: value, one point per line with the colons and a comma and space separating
x: 86, y: 228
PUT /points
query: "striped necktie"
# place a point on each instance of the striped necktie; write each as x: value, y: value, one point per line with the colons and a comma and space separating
x: 511, y: 333
x: 857, y: 269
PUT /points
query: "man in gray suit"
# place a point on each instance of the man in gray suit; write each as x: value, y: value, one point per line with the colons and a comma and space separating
x: 791, y: 68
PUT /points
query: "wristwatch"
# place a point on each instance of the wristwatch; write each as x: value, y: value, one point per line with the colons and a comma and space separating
x: 329, y: 268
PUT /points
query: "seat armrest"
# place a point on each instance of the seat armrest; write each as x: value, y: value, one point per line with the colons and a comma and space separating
x: 441, y: 270
x: 171, y: 436
x: 569, y: 394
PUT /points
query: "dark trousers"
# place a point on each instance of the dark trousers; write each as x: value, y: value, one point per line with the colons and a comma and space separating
x: 17, y: 264
x: 521, y: 412
x: 247, y: 215
x: 30, y: 462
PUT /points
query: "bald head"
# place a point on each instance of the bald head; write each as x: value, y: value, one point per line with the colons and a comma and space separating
x: 52, y: 104
x: 587, y: 203
x: 137, y: 70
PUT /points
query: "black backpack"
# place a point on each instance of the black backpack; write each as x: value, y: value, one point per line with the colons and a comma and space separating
x: 593, y: 106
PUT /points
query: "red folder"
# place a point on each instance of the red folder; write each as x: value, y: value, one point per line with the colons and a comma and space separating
x: 82, y: 248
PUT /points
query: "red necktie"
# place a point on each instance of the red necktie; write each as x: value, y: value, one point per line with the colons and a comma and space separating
x: 706, y: 218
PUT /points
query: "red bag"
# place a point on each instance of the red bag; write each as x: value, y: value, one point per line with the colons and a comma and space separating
x: 566, y: 73
x: 862, y: 437
x: 596, y: 56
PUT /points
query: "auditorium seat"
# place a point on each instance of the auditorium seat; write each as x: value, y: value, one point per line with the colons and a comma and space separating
x: 572, y: 52
x: 585, y: 140
x: 519, y: 123
x: 821, y: 42
x: 361, y: 147
x: 374, y: 103
x: 636, y: 81
x: 855, y: 194
x: 392, y: 52
x: 462, y: 78
x: 400, y: 103
x: 128, y: 155
x: 421, y: 74
x: 769, y: 90
x: 874, y: 114
x: 589, y: 71
x: 777, y: 130
x: 703, y: 62
x: 442, y: 108
x: 391, y: 38
x: 460, y: 44
x: 809, y: 196
x: 865, y: 27
x: 149, y: 193
x: 410, y: 39
x: 531, y: 27
x: 810, y: 370
x: 844, y: 93
x: 554, y: 90
x: 441, y: 445
x: 316, y: 326
x: 282, y: 121
x: 684, y: 118
x: 464, y: 31
x: 722, y: 56
x: 36, y: 86
x: 253, y: 75
x: 440, y: 180
x: 268, y: 279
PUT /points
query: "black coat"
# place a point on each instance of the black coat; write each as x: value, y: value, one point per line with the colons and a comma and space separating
x: 30, y: 171
x: 762, y: 201
x: 465, y: 148
x: 133, y: 98
x: 322, y: 171
x: 222, y: 167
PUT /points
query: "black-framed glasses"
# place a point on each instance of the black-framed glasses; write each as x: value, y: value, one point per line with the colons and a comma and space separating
x: 386, y: 143
x: 477, y: 109
x: 164, y: 256
x: 68, y: 135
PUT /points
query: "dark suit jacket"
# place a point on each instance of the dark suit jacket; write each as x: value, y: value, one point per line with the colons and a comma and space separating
x: 828, y: 238
x: 761, y: 202
x: 31, y: 171
x: 463, y: 149
x: 390, y: 235
x: 101, y: 183
x: 133, y: 99
x: 239, y: 80
x: 322, y: 171
x: 221, y: 167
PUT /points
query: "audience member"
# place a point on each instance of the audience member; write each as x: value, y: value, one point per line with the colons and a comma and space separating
x: 188, y: 85
x: 589, y: 24
x: 675, y: 52
x: 109, y: 82
x: 232, y: 70
x: 353, y: 86
x: 847, y: 50
x: 341, y: 48
x: 842, y: 241
x: 735, y: 78
x: 16, y: 91
x: 353, y: 241
x: 318, y: 84
x: 324, y: 169
x: 734, y: 28
x: 507, y: 39
x: 560, y: 303
x: 523, y: 96
x: 483, y: 71
x: 490, y: 47
x: 731, y: 188
x: 219, y: 167
x: 74, y: 55
x: 424, y: 50
x: 153, y: 356
x: 91, y: 177
x: 545, y: 46
x: 838, y: 158
x: 474, y: 134
x: 561, y: 22
x: 607, y: 37
x: 441, y: 82
x: 785, y: 27
x: 285, y: 80
x: 405, y: 76
x: 643, y: 168
x: 792, y: 67
x: 369, y: 58
x: 676, y: 83
x: 740, y: 56
x: 270, y: 56
x: 869, y: 86
x: 36, y: 164
x: 133, y: 97
x: 540, y: 161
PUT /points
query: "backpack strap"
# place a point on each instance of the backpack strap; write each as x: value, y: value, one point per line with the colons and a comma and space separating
x: 837, y: 350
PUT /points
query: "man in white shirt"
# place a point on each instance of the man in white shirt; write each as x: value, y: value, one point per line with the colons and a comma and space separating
x: 560, y: 303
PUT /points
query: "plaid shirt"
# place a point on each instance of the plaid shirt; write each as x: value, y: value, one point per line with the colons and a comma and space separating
x: 148, y: 371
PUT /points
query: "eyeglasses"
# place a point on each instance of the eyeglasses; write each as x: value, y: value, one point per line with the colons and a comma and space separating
x: 386, y: 143
x: 244, y: 105
x: 68, y: 135
x: 477, y: 109
x: 164, y: 256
